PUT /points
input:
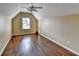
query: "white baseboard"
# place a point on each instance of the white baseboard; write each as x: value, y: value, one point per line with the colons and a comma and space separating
x: 5, y: 45
x: 60, y: 44
x: 23, y: 33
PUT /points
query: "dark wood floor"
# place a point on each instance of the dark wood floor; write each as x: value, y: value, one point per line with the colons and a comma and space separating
x: 33, y: 45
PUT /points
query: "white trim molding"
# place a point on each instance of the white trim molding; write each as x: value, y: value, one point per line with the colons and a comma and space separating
x: 23, y: 33
x: 60, y: 44
x: 5, y: 45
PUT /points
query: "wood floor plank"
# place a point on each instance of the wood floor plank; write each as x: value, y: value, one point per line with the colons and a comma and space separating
x: 33, y: 45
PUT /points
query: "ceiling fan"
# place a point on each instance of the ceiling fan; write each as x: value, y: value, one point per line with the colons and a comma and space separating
x: 32, y: 8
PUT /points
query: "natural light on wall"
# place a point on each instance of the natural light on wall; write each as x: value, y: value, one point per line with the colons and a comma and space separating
x: 25, y: 23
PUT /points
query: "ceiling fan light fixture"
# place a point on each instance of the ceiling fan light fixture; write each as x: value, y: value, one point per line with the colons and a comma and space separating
x: 32, y: 8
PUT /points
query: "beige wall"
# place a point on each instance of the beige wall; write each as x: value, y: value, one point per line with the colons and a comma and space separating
x: 64, y: 29
x: 17, y: 24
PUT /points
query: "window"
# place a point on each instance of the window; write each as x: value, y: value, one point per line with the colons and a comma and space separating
x: 25, y: 23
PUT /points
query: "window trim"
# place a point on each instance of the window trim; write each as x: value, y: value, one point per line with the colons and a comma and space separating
x: 22, y: 22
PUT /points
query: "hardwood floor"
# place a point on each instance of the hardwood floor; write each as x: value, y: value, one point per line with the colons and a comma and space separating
x: 33, y: 45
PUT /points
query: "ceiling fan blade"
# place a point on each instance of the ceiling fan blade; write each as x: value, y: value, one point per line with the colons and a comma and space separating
x: 30, y: 4
x: 35, y: 10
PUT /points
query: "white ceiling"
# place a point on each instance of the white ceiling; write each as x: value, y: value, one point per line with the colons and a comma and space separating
x: 49, y: 9
x: 57, y: 9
